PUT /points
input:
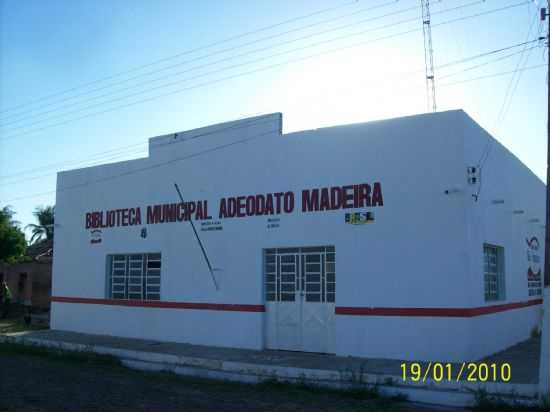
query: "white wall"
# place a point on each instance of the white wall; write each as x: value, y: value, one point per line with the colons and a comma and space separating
x: 176, y: 325
x: 503, y: 178
x: 419, y: 252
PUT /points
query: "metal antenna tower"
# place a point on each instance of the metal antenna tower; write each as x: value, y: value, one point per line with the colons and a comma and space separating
x: 428, y: 55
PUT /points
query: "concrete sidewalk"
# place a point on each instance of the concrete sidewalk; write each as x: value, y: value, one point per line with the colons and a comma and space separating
x: 318, y: 369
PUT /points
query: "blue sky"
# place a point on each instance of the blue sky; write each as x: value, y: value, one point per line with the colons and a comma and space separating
x: 50, y: 47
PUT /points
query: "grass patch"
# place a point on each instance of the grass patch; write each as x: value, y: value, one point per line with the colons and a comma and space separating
x: 488, y: 403
x: 16, y: 321
x: 18, y: 325
x: 59, y: 354
x: 366, y: 392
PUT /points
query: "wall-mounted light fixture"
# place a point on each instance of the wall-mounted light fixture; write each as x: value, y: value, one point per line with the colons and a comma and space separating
x: 451, y: 191
x: 534, y: 220
x: 518, y: 212
x: 497, y: 201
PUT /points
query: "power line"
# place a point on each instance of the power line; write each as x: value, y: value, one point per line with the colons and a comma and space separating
x: 473, y: 57
x: 219, y: 147
x: 86, y: 163
x: 484, y: 54
x: 271, y: 66
x: 256, y: 120
x: 519, y: 63
x: 477, y: 66
x: 164, y: 163
x: 500, y: 118
x: 342, y: 27
x: 514, y: 88
x: 111, y: 153
x: 167, y: 162
x: 185, y: 52
x: 401, y: 33
x: 213, y: 54
x: 489, y: 144
x: 134, y: 145
x: 489, y: 76
x: 57, y: 164
x: 230, y: 66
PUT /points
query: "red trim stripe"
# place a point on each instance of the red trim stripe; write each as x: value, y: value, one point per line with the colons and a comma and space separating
x: 436, y: 312
x: 163, y: 304
x: 340, y: 310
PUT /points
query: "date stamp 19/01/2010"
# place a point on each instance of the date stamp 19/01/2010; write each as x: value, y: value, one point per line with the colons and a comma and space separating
x: 456, y: 372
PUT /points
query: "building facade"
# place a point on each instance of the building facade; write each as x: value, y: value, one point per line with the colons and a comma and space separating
x: 30, y: 281
x: 383, y: 239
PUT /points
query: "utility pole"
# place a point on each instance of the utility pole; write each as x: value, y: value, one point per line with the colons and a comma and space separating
x: 428, y: 55
x: 544, y: 375
x: 545, y: 14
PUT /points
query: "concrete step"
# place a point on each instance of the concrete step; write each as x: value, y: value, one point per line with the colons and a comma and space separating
x: 457, y: 394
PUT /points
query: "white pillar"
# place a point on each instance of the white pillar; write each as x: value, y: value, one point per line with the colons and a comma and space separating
x: 544, y: 377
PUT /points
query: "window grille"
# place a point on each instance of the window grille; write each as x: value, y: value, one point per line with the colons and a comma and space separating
x: 493, y: 265
x: 295, y: 272
x: 135, y: 276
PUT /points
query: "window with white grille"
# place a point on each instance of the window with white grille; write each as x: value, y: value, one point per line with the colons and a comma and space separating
x: 493, y: 264
x: 135, y: 276
x: 295, y: 273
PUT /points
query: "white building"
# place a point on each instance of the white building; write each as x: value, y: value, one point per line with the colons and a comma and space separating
x: 382, y: 239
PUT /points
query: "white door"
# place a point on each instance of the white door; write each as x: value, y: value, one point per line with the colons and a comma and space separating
x: 283, y: 301
x: 300, y: 295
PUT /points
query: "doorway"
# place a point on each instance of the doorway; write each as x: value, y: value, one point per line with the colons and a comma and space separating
x: 300, y: 290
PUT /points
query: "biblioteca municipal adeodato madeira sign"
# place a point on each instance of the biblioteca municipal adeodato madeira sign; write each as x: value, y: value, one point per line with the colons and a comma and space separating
x: 268, y: 204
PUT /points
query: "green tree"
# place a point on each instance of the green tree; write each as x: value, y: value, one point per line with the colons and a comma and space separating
x: 44, y: 228
x: 12, y: 238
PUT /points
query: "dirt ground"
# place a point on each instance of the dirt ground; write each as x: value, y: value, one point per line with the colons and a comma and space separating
x: 37, y: 380
x: 32, y: 383
x: 14, y: 322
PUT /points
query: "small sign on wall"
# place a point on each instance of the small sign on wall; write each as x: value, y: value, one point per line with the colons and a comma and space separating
x: 95, y: 236
x: 211, y: 225
x: 534, y: 271
x: 273, y: 223
x: 359, y: 218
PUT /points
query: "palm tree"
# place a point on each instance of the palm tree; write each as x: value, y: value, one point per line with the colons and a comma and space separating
x: 6, y: 215
x: 45, y: 217
x: 12, y: 238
